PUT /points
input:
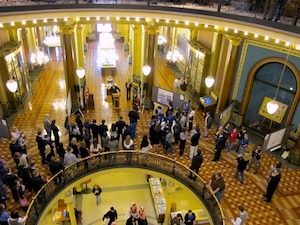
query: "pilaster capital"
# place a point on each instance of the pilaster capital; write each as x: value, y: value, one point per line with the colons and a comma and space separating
x: 151, y: 29
x: 67, y: 29
x: 235, y: 41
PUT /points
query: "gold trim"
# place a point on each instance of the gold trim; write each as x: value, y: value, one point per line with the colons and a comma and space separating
x: 250, y: 81
x: 259, y: 44
x: 240, y: 69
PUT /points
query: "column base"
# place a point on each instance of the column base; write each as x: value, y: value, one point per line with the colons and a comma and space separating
x: 294, y: 156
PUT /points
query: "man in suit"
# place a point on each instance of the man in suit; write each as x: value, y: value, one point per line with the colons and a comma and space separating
x: 47, y: 125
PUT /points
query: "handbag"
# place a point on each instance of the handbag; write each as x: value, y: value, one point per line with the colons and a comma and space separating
x: 23, y: 202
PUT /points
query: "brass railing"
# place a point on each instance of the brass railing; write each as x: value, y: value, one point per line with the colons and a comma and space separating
x: 135, y: 159
x: 248, y: 11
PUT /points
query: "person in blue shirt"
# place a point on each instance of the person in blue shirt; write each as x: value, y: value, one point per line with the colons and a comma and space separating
x: 4, y: 215
x: 189, y: 218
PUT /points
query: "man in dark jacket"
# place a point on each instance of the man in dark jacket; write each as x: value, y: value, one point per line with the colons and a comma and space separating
x: 241, y: 167
x: 220, y: 144
x: 55, y: 166
x: 102, y: 128
x: 95, y: 130
x: 195, y: 137
x: 196, y: 164
x: 112, y: 215
x: 120, y: 124
x: 36, y: 182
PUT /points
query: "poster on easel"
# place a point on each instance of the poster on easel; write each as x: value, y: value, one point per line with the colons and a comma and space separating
x: 226, y: 115
x: 278, y: 115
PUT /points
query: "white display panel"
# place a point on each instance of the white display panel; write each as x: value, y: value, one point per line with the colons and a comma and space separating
x: 164, y: 97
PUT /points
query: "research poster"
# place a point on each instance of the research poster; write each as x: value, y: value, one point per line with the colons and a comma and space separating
x: 164, y: 96
x: 278, y: 115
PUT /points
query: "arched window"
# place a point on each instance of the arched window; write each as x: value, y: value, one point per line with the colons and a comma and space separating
x: 266, y: 81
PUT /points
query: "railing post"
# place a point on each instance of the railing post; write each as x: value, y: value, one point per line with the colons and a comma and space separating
x: 174, y: 167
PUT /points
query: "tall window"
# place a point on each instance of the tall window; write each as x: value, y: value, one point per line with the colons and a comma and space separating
x: 265, y: 84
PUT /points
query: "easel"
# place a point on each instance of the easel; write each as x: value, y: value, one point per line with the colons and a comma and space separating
x: 78, y: 111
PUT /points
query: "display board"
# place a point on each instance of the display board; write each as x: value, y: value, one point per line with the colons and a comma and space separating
x: 274, y: 140
x: 162, y: 96
x: 226, y: 115
x: 278, y: 115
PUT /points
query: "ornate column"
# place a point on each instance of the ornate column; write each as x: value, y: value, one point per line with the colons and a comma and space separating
x: 13, y: 36
x: 194, y: 34
x: 215, y: 52
x: 137, y: 50
x: 170, y: 32
x: 6, y: 95
x: 72, y: 88
x: 25, y: 45
x: 38, y: 36
x: 234, y: 43
x: 221, y: 66
x: 31, y: 40
x: 151, y: 34
x: 79, y: 46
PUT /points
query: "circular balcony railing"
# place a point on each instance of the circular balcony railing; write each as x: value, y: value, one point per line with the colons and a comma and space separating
x: 129, y: 159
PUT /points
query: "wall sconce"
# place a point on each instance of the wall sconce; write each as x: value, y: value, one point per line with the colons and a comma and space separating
x: 80, y: 72
x: 146, y: 70
x: 209, y: 81
x: 12, y: 85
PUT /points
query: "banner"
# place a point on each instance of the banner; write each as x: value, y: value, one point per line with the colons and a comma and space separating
x: 164, y: 96
x: 278, y: 115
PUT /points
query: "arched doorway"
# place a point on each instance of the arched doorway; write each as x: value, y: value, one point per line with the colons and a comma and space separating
x: 263, y: 80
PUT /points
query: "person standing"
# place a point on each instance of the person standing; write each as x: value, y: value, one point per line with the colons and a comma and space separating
x: 207, y: 123
x: 273, y: 181
x: 15, y: 219
x: 243, y: 141
x: 279, y: 8
x: 97, y: 191
x: 133, y: 118
x: 128, y: 86
x: 142, y: 218
x: 69, y: 157
x: 102, y: 128
x: 4, y: 215
x: 220, y: 144
x: 217, y: 185
x: 196, y: 164
x: 55, y: 131
x: 79, y: 123
x: 191, y: 119
x: 232, y: 139
x: 189, y: 218
x: 41, y: 142
x: 112, y: 215
x: 47, y: 126
x: 182, y: 141
x: 241, y: 167
x: 241, y: 218
x: 255, y: 159
x: 120, y: 124
x: 269, y: 10
x: 95, y: 130
x: 195, y: 137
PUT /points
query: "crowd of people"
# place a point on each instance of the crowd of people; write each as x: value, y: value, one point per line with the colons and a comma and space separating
x: 168, y: 129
